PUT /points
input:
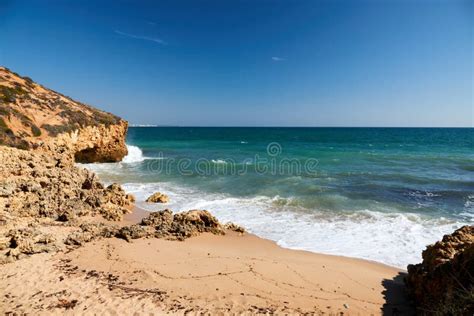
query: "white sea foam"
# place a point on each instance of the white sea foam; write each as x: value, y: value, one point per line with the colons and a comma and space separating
x: 218, y: 161
x: 396, y: 239
x: 135, y: 154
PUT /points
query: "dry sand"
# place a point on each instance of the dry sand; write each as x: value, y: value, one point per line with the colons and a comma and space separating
x: 231, y: 274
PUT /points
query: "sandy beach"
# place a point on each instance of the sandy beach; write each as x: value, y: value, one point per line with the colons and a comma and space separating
x: 235, y: 273
x: 74, y: 240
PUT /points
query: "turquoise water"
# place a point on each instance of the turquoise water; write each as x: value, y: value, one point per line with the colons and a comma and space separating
x: 375, y: 193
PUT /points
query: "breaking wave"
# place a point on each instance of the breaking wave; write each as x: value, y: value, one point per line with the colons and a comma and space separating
x: 393, y: 238
x: 135, y: 154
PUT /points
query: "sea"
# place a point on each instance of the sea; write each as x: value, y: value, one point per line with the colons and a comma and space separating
x: 381, y: 194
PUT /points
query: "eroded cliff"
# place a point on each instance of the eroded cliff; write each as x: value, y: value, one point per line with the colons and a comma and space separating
x: 43, y: 195
x: 32, y: 117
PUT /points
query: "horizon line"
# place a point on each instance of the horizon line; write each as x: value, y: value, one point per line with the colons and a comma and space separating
x: 276, y: 126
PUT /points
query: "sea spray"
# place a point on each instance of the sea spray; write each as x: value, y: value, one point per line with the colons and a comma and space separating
x: 135, y: 154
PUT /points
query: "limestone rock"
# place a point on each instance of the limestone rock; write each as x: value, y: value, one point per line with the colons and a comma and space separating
x: 160, y: 220
x: 234, y: 227
x: 43, y: 185
x: 132, y: 232
x: 444, y: 282
x: 29, y: 241
x: 157, y: 197
x: 182, y: 225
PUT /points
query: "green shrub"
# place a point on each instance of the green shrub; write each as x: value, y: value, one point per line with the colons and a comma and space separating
x: 105, y: 118
x: 28, y: 80
x: 35, y: 130
x: 76, y: 117
x: 54, y: 130
x: 9, y: 95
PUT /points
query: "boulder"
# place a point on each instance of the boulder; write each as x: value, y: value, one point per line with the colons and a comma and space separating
x: 443, y: 283
x: 157, y: 197
x: 160, y: 220
x: 234, y: 227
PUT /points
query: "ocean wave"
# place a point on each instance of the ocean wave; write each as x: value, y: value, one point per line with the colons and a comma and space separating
x: 130, y: 161
x: 134, y: 155
x: 395, y: 238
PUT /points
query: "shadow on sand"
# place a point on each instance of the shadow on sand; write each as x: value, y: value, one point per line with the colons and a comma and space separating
x: 397, y: 302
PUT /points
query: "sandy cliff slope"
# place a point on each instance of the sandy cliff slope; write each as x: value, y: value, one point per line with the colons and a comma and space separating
x: 33, y: 116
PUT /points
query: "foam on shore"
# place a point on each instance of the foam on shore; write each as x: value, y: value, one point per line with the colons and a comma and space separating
x: 394, y: 238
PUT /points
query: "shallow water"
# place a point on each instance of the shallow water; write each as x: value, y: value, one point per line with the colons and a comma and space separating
x: 375, y: 193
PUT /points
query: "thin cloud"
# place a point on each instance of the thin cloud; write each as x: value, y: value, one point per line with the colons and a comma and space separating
x: 145, y: 38
x: 278, y: 58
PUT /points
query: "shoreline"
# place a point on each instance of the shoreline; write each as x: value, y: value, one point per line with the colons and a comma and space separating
x: 204, y: 274
x: 138, y: 213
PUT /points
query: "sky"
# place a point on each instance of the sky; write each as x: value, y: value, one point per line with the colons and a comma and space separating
x: 251, y: 63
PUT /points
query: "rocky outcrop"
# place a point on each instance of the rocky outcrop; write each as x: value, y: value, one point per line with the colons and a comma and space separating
x: 42, y: 185
x: 101, y: 143
x: 44, y: 196
x: 34, y: 117
x: 157, y: 197
x: 162, y: 224
x: 443, y: 284
x: 182, y: 225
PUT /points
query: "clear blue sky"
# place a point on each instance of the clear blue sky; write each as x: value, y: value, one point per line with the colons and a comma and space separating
x: 257, y: 63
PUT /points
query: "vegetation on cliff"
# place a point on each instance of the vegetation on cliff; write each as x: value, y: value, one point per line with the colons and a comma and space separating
x: 29, y: 111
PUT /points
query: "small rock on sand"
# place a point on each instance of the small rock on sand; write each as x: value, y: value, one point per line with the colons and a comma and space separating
x: 158, y: 197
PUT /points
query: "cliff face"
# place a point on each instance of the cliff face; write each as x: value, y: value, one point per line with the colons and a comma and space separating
x: 102, y: 143
x: 32, y: 116
x: 443, y: 284
x: 43, y: 195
